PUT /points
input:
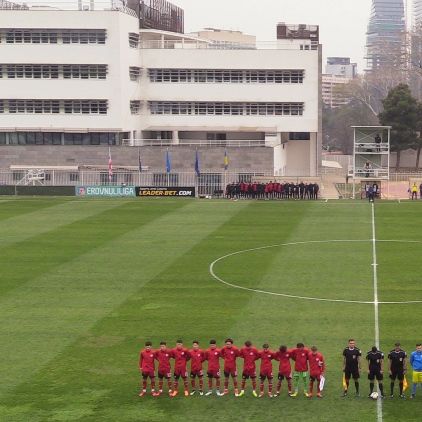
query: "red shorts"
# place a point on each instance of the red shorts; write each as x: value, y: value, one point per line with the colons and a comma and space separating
x: 148, y: 374
x: 266, y: 373
x: 249, y: 373
x: 213, y: 373
x: 315, y: 376
x: 198, y: 374
x: 230, y: 371
x: 180, y: 373
x: 164, y: 374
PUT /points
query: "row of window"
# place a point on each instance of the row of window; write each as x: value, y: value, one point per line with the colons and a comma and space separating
x: 53, y: 71
x: 57, y: 138
x: 229, y: 109
x: 54, y: 106
x: 227, y: 76
x: 52, y: 36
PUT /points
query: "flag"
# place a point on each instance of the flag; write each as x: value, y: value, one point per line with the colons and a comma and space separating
x: 139, y: 160
x: 168, y: 162
x: 405, y: 384
x: 226, y: 160
x: 197, y: 171
x: 344, y: 382
x: 110, y: 166
x: 322, y: 383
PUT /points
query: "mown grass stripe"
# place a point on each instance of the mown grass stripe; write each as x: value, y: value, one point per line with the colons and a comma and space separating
x: 51, y: 311
x: 46, y: 218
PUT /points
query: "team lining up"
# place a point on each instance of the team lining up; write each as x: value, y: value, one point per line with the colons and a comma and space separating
x: 305, y: 360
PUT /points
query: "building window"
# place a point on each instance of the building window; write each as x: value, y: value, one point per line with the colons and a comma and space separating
x: 84, y: 71
x: 84, y: 36
x: 133, y: 40
x: 85, y: 106
x: 226, y: 76
x: 105, y: 178
x: 54, y: 106
x: 50, y: 71
x: 51, y: 36
x: 225, y: 109
x: 135, y: 107
x: 134, y: 73
x: 299, y: 136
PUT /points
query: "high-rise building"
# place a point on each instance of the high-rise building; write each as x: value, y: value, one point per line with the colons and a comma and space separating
x: 417, y: 13
x: 385, y: 43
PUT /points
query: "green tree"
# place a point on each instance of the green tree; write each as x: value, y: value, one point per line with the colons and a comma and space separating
x: 401, y: 113
x: 418, y: 140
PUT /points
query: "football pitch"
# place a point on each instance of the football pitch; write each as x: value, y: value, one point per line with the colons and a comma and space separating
x: 84, y: 283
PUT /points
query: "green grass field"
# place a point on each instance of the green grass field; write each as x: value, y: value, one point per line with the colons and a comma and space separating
x: 84, y: 283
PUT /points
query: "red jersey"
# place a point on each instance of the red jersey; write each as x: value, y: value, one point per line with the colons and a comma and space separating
x: 146, y: 361
x: 197, y: 357
x: 301, y: 357
x: 213, y: 357
x: 249, y: 355
x: 229, y: 354
x: 316, y: 363
x: 163, y: 357
x: 181, y: 356
x: 284, y: 358
x: 266, y: 360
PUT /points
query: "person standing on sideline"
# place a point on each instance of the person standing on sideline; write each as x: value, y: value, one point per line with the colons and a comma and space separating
x: 414, y: 191
x: 300, y: 355
x: 375, y: 360
x: 420, y: 191
x: 351, y: 365
x: 397, y: 358
x: 371, y: 193
x: 377, y: 140
x: 416, y: 363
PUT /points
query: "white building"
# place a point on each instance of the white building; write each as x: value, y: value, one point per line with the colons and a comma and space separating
x: 341, y: 66
x: 92, y: 77
x: 417, y: 13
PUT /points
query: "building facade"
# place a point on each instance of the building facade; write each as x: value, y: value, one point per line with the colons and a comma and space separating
x: 332, y: 95
x: 385, y: 42
x: 341, y: 66
x: 93, y: 77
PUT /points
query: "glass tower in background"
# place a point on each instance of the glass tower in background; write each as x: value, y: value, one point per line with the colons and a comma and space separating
x: 385, y: 42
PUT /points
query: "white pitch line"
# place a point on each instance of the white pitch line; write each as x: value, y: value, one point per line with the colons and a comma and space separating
x: 376, y: 313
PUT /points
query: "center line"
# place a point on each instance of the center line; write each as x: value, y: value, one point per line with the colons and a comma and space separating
x: 377, y: 328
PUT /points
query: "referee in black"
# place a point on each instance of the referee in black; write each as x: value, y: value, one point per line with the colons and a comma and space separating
x: 351, y: 365
x: 375, y: 360
x: 397, y: 358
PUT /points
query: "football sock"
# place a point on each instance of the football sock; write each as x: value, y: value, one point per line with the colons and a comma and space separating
x: 243, y: 384
x: 261, y: 387
x: 217, y: 383
x: 381, y: 387
x: 371, y: 387
x: 176, y: 385
x: 311, y: 387
x: 169, y: 384
x: 392, y: 388
x: 153, y: 384
x: 193, y: 383
x: 235, y: 382
x: 144, y: 384
x: 270, y: 386
x: 201, y: 383
x: 185, y: 383
x: 401, y: 387
x: 357, y: 386
x: 209, y: 383
x: 160, y: 384
x: 254, y: 384
x: 289, y: 384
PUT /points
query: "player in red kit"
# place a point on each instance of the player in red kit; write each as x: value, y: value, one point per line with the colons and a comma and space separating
x: 316, y: 370
x: 249, y: 354
x: 197, y: 356
x: 213, y: 355
x: 285, y: 370
x: 229, y: 353
x: 181, y: 356
x: 266, y: 370
x: 301, y: 357
x: 163, y: 356
x: 147, y: 368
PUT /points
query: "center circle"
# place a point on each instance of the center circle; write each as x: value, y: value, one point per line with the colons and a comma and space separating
x: 367, y: 286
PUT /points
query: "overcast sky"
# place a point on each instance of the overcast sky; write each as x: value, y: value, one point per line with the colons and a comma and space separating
x: 342, y: 22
